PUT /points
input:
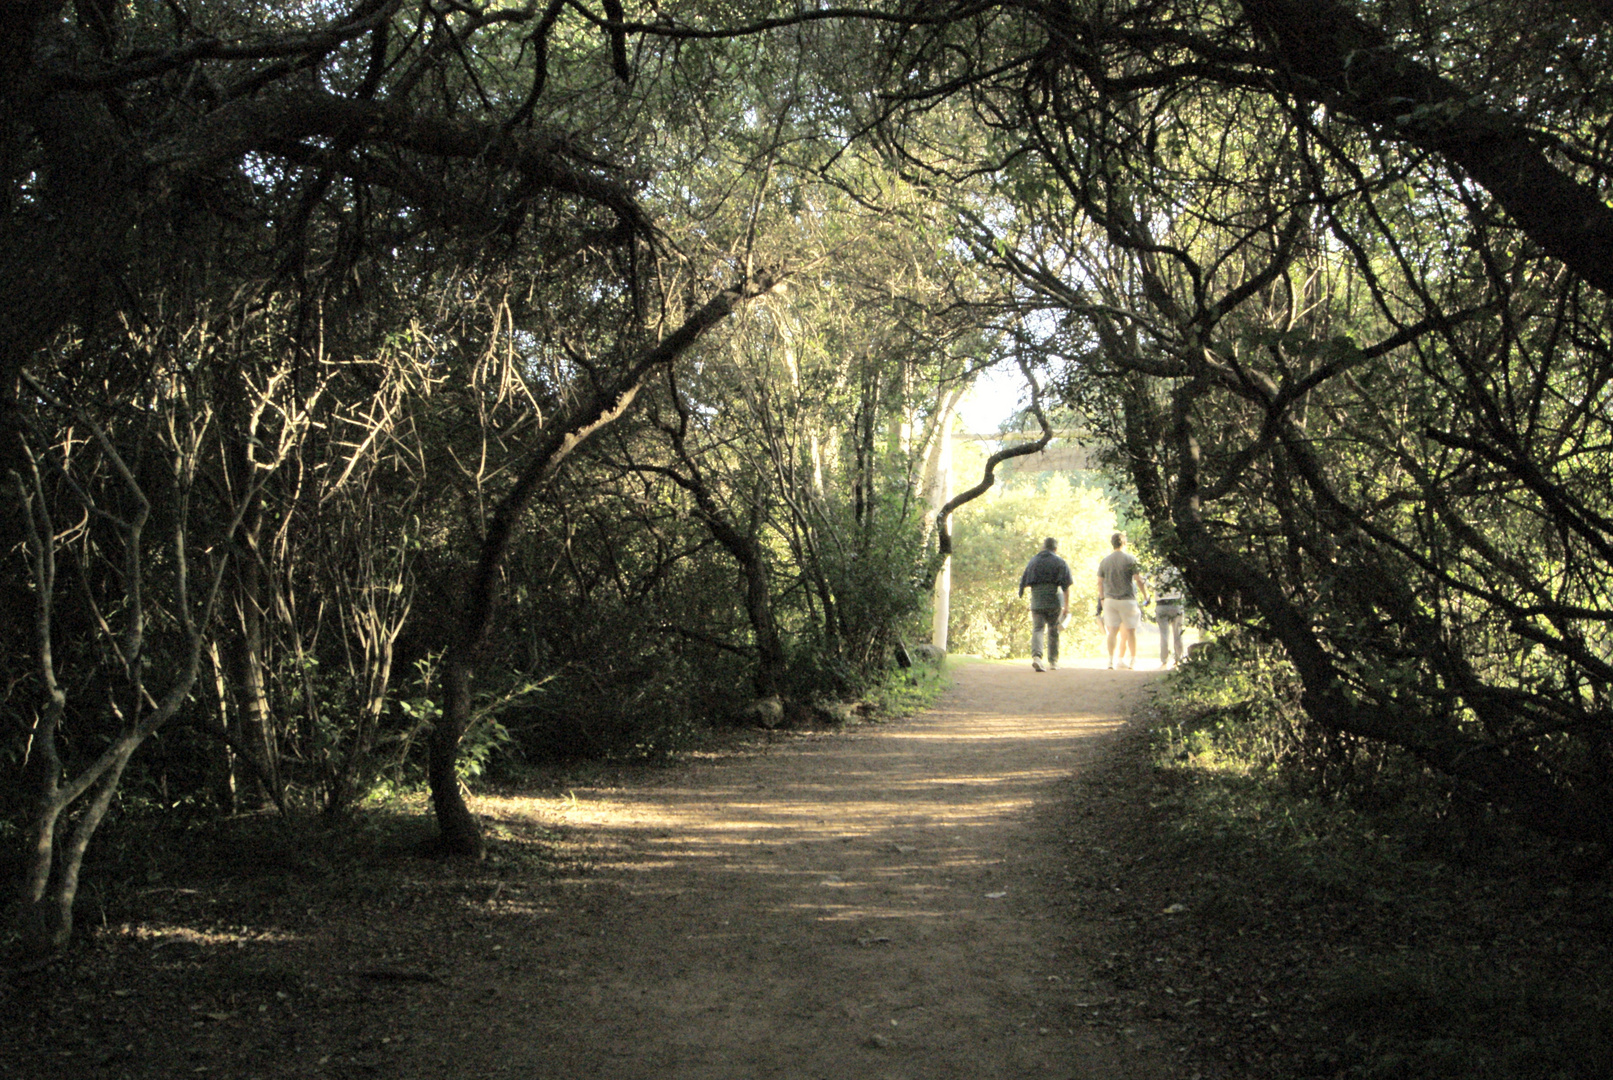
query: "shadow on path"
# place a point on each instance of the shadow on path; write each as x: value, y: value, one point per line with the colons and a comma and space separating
x: 871, y: 904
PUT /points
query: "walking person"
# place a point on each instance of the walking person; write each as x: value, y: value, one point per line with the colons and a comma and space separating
x: 1048, y: 578
x: 1119, y: 583
x: 1170, y: 605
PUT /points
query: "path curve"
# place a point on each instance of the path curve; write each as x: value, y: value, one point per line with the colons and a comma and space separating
x: 878, y: 903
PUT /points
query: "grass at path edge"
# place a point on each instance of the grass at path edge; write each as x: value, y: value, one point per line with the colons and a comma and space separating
x: 1377, y: 932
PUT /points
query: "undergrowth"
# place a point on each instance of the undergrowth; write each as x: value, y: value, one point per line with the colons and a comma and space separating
x: 1436, y: 939
x: 905, y: 691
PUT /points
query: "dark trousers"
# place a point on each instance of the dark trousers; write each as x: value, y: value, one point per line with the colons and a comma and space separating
x: 1045, y: 621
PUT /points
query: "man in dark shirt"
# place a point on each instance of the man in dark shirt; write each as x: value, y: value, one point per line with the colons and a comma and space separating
x: 1048, y: 578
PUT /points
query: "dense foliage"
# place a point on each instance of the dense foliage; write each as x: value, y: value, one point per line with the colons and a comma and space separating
x: 1397, y: 927
x: 364, y: 419
x: 1331, y: 280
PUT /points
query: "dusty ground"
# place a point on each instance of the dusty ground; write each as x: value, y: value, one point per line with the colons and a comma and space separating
x: 876, y: 904
x: 915, y: 899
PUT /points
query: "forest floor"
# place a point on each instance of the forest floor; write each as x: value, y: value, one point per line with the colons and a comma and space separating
x: 1007, y: 885
x: 936, y: 896
x: 1002, y: 886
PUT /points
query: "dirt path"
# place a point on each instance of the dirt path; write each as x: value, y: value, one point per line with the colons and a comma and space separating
x: 880, y: 903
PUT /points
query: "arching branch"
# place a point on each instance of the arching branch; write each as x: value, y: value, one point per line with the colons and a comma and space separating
x: 943, y: 517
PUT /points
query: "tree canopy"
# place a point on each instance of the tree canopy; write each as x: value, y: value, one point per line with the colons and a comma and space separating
x: 1330, y: 277
x: 385, y: 383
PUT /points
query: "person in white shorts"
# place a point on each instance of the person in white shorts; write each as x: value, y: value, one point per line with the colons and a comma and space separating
x: 1119, y: 583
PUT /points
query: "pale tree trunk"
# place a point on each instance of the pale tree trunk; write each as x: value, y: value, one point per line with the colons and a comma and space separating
x: 224, y: 780
x: 938, y: 491
x: 379, y: 612
x: 243, y: 650
x: 56, y: 849
x: 50, y: 884
x: 941, y: 610
x: 253, y: 729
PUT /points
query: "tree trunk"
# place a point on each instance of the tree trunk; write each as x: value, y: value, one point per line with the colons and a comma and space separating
x: 745, y: 548
x: 1221, y: 576
x: 459, y: 833
x: 244, y: 651
x: 355, y: 771
x: 770, y: 661
x: 35, y: 925
x: 55, y: 251
x: 225, y: 780
x: 938, y: 491
x: 1330, y: 56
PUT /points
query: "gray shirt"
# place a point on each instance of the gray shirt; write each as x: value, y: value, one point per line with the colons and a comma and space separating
x: 1117, y: 570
